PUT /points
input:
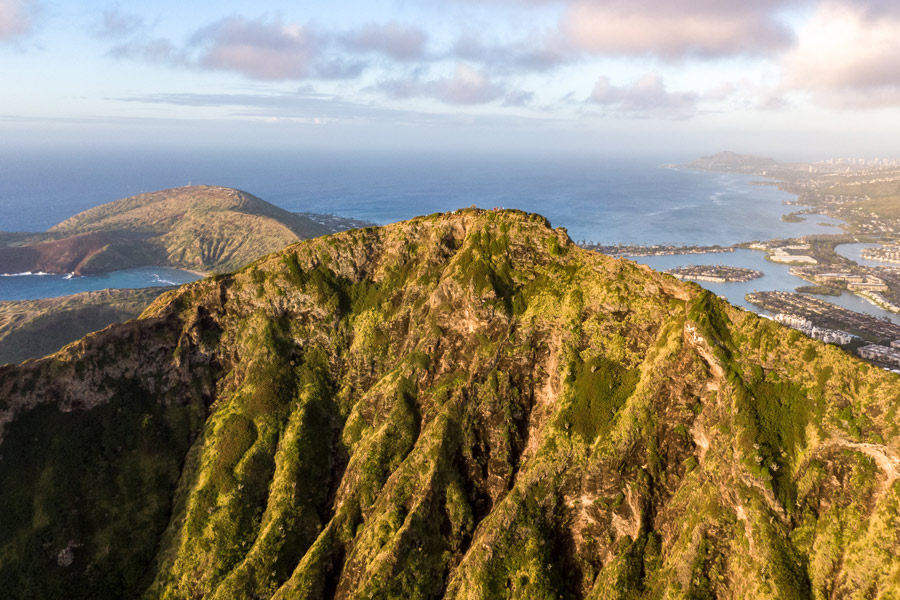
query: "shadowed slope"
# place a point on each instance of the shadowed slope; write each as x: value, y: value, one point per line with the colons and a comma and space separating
x: 35, y: 328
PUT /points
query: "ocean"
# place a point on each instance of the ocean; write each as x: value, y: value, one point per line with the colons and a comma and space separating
x: 605, y: 200
x: 600, y: 199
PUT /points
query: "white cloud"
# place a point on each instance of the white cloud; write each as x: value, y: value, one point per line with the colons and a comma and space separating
x: 16, y: 18
x: 258, y: 48
x: 645, y: 97
x: 466, y: 86
x: 399, y: 42
x: 847, y: 55
x: 673, y: 29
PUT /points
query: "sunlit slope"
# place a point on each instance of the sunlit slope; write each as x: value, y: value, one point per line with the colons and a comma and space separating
x: 202, y: 228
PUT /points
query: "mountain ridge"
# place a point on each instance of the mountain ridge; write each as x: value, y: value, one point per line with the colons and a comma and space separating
x: 463, y: 405
x: 35, y: 328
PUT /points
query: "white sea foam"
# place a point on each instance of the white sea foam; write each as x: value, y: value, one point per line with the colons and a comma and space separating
x: 25, y: 274
x: 158, y: 279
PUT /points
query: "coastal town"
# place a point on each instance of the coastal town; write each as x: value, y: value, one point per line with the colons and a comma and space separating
x: 870, y: 338
x: 883, y: 254
x: 863, y: 196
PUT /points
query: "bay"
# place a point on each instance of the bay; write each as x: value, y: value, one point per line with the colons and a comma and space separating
x: 32, y: 287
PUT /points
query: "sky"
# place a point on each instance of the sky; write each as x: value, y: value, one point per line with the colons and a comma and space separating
x: 795, y: 79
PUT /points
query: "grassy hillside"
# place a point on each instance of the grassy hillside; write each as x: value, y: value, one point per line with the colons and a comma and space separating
x: 457, y: 406
x: 35, y: 328
x: 202, y: 228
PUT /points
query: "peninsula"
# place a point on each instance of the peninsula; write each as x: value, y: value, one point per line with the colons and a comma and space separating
x: 35, y: 328
x: 715, y: 273
x: 623, y: 250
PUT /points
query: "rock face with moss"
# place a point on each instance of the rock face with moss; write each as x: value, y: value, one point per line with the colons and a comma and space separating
x: 457, y: 406
x: 203, y: 228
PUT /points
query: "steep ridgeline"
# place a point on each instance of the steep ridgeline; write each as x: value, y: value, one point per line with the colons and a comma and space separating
x: 456, y: 406
x: 35, y: 328
x: 203, y: 228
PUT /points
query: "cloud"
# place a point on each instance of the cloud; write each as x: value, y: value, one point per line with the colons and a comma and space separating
x: 518, y: 98
x: 539, y: 53
x: 302, y: 104
x: 645, y: 97
x: 16, y: 18
x: 117, y: 24
x: 261, y: 49
x: 675, y: 29
x: 466, y: 86
x: 267, y: 50
x: 305, y: 106
x: 846, y: 55
x: 271, y: 49
x: 156, y: 51
x: 396, y: 41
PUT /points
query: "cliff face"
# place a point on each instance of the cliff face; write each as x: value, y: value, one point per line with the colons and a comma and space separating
x: 457, y: 406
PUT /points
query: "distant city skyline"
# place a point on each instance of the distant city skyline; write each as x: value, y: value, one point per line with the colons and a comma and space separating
x: 795, y: 79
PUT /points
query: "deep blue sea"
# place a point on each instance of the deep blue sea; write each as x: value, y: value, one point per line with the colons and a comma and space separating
x: 600, y: 199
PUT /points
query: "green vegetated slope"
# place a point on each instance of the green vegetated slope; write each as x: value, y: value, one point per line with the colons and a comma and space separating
x: 202, y: 228
x: 456, y: 406
x: 35, y: 328
x: 206, y: 228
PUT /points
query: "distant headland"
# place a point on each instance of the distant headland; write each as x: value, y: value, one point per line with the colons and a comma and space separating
x: 197, y: 228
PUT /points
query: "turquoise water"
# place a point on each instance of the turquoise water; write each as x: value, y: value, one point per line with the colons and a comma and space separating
x: 30, y: 287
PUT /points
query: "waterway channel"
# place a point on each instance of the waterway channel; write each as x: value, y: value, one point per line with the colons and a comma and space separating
x: 777, y: 277
x: 854, y: 253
